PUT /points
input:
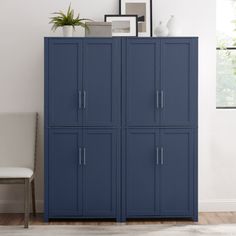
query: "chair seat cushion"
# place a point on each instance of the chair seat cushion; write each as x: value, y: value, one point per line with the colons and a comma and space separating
x: 15, y: 172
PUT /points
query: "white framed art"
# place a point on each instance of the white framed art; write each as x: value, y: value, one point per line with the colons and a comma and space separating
x: 123, y: 25
x: 142, y: 8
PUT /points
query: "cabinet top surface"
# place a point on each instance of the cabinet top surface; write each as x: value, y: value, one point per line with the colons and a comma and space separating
x: 175, y: 37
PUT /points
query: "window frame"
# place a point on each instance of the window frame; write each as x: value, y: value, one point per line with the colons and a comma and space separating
x: 225, y: 107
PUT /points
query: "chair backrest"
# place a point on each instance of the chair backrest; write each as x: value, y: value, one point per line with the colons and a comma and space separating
x: 18, y: 139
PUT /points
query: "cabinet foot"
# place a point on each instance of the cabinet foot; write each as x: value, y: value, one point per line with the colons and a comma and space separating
x: 195, y: 218
x: 46, y: 219
x: 122, y: 220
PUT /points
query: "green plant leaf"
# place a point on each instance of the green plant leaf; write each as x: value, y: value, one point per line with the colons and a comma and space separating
x: 60, y: 19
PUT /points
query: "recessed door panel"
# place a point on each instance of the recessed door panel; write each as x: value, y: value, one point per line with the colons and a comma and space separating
x: 99, y: 166
x: 142, y: 78
x: 65, y: 173
x: 65, y: 83
x: 141, y: 172
x: 176, y: 173
x: 177, y: 81
x: 101, y: 79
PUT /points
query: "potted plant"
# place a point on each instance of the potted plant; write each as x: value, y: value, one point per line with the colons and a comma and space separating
x: 67, y: 21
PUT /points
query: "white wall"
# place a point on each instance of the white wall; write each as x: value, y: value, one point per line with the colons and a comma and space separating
x: 23, y: 24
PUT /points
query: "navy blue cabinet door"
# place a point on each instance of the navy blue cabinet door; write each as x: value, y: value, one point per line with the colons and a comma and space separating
x: 176, y: 173
x: 141, y: 164
x: 99, y: 192
x: 65, y: 82
x: 101, y: 81
x: 65, y: 173
x: 142, y: 81
x: 178, y: 82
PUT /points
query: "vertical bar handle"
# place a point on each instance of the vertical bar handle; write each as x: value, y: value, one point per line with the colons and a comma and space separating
x: 162, y: 156
x: 157, y: 99
x: 162, y: 99
x: 85, y: 156
x: 84, y: 98
x: 80, y: 156
x: 80, y: 100
x: 157, y: 156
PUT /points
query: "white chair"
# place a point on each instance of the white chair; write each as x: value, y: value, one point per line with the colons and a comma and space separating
x: 18, y: 139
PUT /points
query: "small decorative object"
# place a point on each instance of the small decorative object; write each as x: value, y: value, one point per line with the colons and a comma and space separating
x: 123, y: 25
x: 142, y: 8
x: 173, y: 27
x: 162, y: 30
x: 67, y: 21
x: 98, y: 29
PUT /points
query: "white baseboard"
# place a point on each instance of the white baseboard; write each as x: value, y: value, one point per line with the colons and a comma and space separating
x: 217, y: 205
x: 213, y: 205
x: 10, y: 206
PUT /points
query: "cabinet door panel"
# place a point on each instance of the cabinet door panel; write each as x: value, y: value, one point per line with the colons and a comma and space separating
x: 65, y: 82
x: 178, y: 82
x: 101, y: 78
x: 141, y: 173
x: 176, y: 173
x: 100, y: 173
x: 65, y: 173
x: 142, y: 78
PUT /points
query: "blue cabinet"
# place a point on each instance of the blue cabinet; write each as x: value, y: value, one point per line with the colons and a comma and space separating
x: 82, y: 165
x: 159, y: 173
x: 83, y: 82
x: 161, y: 82
x: 121, y: 128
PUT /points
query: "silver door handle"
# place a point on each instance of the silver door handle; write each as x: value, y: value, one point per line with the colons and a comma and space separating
x: 162, y: 99
x: 157, y: 99
x: 85, y: 156
x: 84, y: 98
x: 80, y: 156
x: 80, y: 100
x: 157, y: 156
x: 162, y: 156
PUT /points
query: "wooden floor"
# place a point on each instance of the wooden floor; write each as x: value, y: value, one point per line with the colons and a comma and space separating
x: 204, y: 219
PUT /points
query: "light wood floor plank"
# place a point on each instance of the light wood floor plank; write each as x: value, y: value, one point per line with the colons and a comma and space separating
x: 209, y: 218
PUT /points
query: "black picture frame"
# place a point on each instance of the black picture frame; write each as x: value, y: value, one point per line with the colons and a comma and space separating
x: 151, y: 15
x: 119, y: 15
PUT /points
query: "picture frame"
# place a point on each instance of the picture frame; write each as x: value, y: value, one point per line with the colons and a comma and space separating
x: 123, y: 25
x: 142, y: 8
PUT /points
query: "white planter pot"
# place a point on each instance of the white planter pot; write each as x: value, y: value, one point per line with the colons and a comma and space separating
x: 67, y: 31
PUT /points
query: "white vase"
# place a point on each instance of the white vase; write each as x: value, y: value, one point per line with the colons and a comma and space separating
x: 173, y: 26
x: 161, y: 30
x: 67, y: 31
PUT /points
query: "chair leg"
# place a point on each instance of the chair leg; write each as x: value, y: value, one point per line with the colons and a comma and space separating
x: 33, y: 197
x: 27, y: 197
